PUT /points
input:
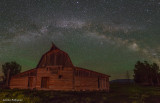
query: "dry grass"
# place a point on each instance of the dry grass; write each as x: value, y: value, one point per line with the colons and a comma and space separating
x: 117, y: 94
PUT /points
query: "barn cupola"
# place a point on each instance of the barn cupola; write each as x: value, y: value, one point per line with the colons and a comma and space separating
x: 55, y: 57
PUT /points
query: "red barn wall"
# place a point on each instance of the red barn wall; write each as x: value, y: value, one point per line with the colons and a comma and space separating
x: 62, y: 78
x: 21, y: 83
x: 90, y: 83
x: 88, y: 80
x: 86, y: 83
x: 21, y: 80
x: 59, y: 78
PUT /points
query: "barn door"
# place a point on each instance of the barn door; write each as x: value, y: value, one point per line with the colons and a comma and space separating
x: 45, y: 82
x: 30, y: 82
x: 99, y: 82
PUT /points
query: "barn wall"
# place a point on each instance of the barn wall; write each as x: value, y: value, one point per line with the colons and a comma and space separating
x: 90, y: 83
x: 62, y: 79
x: 104, y: 83
x: 21, y: 80
x: 88, y: 80
x: 86, y: 83
x: 59, y: 78
x: 21, y: 83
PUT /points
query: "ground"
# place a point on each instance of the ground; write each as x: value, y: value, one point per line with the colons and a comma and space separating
x: 118, y: 94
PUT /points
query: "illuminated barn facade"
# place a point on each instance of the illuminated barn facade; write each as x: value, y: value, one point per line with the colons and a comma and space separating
x: 55, y: 71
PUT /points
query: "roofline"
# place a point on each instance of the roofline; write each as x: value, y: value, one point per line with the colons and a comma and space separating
x: 74, y: 67
x: 24, y: 72
x: 92, y: 71
x: 59, y: 50
x: 40, y: 60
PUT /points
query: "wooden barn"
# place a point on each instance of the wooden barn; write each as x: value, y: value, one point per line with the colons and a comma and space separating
x: 55, y: 71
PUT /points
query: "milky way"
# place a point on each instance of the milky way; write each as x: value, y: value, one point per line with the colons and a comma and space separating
x: 107, y: 36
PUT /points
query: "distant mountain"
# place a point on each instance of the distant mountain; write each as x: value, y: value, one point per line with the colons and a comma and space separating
x: 122, y: 81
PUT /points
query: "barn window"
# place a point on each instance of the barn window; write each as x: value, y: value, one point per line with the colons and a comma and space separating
x: 98, y: 82
x: 104, y: 83
x: 80, y: 72
x: 45, y: 82
x: 60, y: 76
x: 87, y: 74
x: 54, y: 70
x: 76, y: 73
x: 91, y: 74
x: 84, y: 73
x: 47, y: 68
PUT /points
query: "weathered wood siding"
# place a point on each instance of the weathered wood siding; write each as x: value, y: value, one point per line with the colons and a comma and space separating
x: 59, y: 78
x: 84, y: 83
x: 21, y: 83
x: 88, y: 80
x: 21, y: 80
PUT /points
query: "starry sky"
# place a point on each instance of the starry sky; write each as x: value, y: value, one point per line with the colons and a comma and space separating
x: 106, y: 36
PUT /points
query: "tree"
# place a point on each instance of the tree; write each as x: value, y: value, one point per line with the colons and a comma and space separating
x: 155, y: 73
x: 145, y: 73
x: 9, y: 69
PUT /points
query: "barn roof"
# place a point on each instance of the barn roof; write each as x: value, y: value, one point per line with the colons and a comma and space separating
x: 26, y: 73
x: 79, y: 68
x: 55, y: 56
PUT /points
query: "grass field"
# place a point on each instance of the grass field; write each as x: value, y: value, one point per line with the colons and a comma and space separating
x: 117, y: 94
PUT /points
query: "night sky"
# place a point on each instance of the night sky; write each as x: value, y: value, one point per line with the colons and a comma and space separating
x: 106, y: 36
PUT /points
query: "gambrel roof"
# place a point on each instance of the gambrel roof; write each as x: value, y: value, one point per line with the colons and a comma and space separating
x: 55, y: 56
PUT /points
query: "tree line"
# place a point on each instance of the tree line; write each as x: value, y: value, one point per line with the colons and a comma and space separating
x: 146, y: 74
